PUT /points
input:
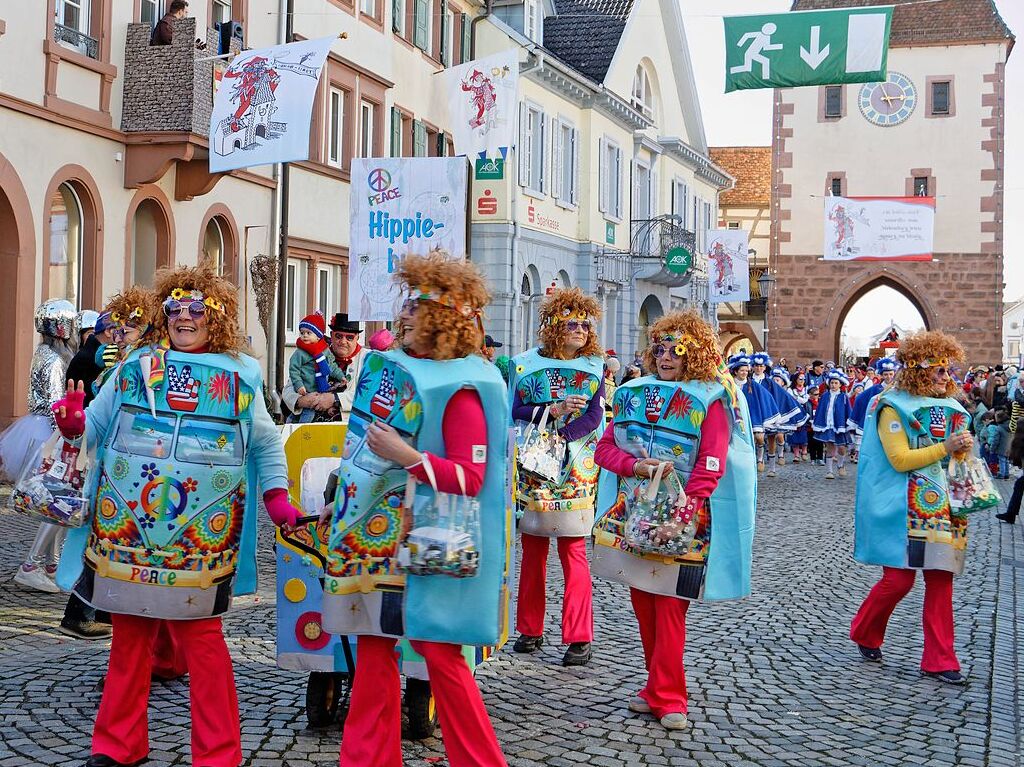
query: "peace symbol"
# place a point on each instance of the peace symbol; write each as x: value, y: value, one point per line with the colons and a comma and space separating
x: 379, y: 179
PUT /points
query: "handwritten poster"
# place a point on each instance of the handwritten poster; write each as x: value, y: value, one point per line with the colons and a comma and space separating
x: 879, y: 228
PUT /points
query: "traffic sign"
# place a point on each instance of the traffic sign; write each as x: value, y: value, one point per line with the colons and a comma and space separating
x: 785, y: 50
x: 678, y: 260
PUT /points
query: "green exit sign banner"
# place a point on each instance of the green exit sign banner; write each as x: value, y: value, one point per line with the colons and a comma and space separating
x: 786, y: 50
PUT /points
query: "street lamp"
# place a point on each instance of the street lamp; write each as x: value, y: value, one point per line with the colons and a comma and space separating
x: 766, y: 283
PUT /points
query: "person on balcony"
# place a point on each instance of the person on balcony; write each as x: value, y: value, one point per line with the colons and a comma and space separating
x: 163, y: 32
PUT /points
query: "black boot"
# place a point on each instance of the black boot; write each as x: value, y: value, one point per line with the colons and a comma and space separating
x: 873, y: 654
x: 102, y: 760
x: 1005, y: 517
x: 578, y: 654
x: 528, y: 643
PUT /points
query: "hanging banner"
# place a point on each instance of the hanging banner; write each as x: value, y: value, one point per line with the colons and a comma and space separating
x: 728, y: 270
x: 879, y: 228
x: 482, y: 97
x: 784, y: 50
x: 263, y: 106
x: 400, y: 206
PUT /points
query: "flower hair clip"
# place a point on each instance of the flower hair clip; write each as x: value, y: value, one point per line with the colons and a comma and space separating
x: 567, y: 315
x: 682, y: 343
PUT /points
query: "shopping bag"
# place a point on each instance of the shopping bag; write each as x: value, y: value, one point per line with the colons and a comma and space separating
x: 971, y: 487
x: 444, y: 534
x: 542, y: 452
x: 657, y: 520
x: 52, y: 486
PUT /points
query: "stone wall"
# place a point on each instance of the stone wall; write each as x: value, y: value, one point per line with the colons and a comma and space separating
x: 960, y: 293
x: 165, y: 88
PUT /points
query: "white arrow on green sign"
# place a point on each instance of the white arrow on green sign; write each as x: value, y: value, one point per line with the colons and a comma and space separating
x: 786, y: 50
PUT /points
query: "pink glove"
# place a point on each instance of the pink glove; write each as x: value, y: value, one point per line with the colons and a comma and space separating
x: 69, y: 413
x: 280, y: 510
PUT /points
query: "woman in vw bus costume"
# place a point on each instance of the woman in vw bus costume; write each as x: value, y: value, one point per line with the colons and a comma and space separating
x: 183, y: 444
x: 560, y: 383
x: 688, y: 417
x: 436, y: 410
x: 903, y: 519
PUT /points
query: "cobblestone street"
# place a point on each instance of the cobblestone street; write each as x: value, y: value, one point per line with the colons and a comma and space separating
x: 773, y: 680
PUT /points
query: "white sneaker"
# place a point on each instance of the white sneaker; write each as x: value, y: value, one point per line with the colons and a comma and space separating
x: 639, y: 706
x: 842, y: 471
x: 675, y: 722
x: 771, y: 473
x: 830, y: 475
x: 35, y: 579
x: 782, y: 460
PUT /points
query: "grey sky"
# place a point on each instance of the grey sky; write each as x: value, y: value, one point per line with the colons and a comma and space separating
x: 744, y: 118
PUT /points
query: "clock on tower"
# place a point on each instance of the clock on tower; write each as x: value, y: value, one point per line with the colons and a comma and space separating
x: 888, y: 103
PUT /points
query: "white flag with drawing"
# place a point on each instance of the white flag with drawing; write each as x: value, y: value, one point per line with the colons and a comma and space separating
x: 263, y: 107
x: 879, y: 228
x: 728, y: 272
x: 482, y: 98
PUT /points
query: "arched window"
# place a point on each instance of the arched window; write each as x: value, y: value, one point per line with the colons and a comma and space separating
x: 213, y: 244
x: 643, y: 95
x: 64, y: 260
x: 150, y: 241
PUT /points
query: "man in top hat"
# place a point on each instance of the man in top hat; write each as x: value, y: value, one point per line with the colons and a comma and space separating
x: 349, y: 355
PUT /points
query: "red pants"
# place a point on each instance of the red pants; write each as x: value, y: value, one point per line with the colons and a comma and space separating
x: 169, y: 660
x: 577, y: 604
x: 868, y: 628
x: 662, y: 622
x: 373, y: 728
x: 122, y: 731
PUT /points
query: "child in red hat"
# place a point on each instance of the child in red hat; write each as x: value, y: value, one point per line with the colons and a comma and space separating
x: 312, y: 367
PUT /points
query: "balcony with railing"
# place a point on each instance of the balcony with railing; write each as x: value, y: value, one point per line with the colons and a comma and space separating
x: 76, y: 40
x: 650, y: 242
x: 168, y: 100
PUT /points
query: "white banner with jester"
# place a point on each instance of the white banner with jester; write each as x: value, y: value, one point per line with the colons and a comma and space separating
x: 400, y: 206
x: 879, y: 228
x: 263, y: 107
x: 482, y: 97
x: 728, y: 273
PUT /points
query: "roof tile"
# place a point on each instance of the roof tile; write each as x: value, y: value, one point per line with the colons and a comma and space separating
x: 941, y: 21
x: 751, y: 166
x: 586, y: 33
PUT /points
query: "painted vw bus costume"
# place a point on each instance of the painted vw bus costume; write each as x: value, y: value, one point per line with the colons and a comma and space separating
x: 663, y: 419
x: 562, y: 509
x: 703, y: 429
x: 364, y: 591
x: 182, y: 442
x: 904, y: 523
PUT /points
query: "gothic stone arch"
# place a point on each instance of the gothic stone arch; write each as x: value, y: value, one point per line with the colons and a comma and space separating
x: 954, y: 293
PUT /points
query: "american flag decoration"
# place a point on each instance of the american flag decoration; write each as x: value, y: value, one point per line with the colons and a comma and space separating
x: 182, y: 389
x: 653, y: 403
x: 937, y: 422
x: 557, y: 383
x: 383, y: 402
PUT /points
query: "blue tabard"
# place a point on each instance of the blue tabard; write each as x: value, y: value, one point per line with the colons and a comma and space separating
x: 663, y: 419
x: 791, y: 414
x: 903, y: 518
x: 173, y: 524
x: 763, y: 410
x: 364, y: 593
x: 861, y: 405
x: 565, y: 508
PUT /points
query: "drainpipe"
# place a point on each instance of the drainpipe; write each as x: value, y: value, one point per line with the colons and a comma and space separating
x: 472, y: 28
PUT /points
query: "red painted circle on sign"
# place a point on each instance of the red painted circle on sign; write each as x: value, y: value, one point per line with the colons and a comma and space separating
x: 310, y: 632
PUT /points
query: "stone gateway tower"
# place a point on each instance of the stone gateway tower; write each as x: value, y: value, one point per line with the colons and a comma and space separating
x: 946, y: 59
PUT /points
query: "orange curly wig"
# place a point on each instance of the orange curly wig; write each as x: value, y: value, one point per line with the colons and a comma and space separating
x: 927, y: 345
x: 135, y: 305
x: 452, y: 334
x: 560, y: 304
x: 225, y: 335
x: 703, y: 354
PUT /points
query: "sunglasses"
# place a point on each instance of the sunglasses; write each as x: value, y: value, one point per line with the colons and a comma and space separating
x: 174, y: 309
x: 574, y: 325
x: 661, y: 350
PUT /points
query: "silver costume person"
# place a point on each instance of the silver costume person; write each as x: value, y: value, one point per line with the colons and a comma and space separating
x: 56, y: 321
